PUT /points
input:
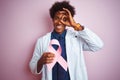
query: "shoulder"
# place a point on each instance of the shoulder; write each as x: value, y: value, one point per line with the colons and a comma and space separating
x: 44, y: 40
x: 46, y: 36
x: 71, y: 32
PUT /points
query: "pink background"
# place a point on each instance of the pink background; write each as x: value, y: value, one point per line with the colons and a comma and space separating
x: 23, y: 21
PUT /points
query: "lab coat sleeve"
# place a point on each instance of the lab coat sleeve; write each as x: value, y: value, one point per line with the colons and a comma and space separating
x: 36, y: 57
x: 90, y: 41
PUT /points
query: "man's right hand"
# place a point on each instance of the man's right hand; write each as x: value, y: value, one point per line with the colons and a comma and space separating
x: 46, y: 58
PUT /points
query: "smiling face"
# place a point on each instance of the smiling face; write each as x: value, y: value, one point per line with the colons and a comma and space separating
x: 59, y: 18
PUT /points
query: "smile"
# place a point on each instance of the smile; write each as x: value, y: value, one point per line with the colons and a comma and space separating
x: 59, y: 26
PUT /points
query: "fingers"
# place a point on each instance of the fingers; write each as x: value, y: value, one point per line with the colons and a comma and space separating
x: 71, y: 20
x: 69, y: 15
x: 48, y: 54
x: 67, y: 11
x: 65, y: 20
x: 48, y: 58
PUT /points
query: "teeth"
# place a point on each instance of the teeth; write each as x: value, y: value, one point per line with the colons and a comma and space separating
x: 59, y: 26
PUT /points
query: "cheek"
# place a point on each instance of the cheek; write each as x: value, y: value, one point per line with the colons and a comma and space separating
x: 55, y: 23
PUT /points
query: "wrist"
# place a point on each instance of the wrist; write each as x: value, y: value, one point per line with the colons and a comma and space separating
x: 39, y: 66
x: 78, y: 27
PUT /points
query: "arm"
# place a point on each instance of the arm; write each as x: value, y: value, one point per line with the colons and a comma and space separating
x: 38, y: 59
x: 91, y: 42
x: 35, y: 58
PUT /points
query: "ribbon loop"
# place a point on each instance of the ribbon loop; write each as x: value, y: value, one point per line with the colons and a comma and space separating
x: 58, y: 58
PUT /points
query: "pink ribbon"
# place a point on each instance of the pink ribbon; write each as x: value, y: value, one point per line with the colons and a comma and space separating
x: 58, y: 58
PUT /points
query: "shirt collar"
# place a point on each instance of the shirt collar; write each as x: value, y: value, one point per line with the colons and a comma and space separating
x: 57, y: 35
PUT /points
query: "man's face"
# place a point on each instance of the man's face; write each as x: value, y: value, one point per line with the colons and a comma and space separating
x: 59, y: 17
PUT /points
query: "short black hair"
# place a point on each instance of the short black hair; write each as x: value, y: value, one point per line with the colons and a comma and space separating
x: 58, y: 6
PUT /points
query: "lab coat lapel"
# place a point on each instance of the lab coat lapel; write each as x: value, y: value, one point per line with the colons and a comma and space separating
x: 68, y: 52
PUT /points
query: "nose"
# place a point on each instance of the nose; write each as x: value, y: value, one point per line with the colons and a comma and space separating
x: 59, y: 22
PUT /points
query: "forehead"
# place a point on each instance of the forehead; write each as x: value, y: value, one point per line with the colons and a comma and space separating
x: 61, y: 13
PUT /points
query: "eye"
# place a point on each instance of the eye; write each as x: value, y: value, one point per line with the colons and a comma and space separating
x: 64, y: 19
x: 56, y: 18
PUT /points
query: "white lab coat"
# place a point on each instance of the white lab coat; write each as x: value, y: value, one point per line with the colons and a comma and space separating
x: 76, y: 43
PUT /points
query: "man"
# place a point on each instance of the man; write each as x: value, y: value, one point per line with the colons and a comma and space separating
x: 72, y: 42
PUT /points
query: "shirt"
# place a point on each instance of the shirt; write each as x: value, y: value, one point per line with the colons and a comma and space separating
x: 76, y: 43
x: 58, y: 73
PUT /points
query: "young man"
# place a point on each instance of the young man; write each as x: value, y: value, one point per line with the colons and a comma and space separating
x: 72, y: 42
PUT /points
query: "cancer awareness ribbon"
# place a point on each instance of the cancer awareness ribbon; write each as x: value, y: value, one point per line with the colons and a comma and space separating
x: 58, y: 58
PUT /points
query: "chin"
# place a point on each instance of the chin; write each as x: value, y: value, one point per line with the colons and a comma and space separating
x: 59, y: 31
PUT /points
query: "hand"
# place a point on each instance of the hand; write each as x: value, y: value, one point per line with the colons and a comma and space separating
x: 46, y: 58
x: 69, y: 21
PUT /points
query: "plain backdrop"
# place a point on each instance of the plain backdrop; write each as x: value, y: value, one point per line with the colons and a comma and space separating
x: 22, y: 22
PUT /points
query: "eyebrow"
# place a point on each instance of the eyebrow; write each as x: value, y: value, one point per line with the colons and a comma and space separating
x: 62, y: 12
